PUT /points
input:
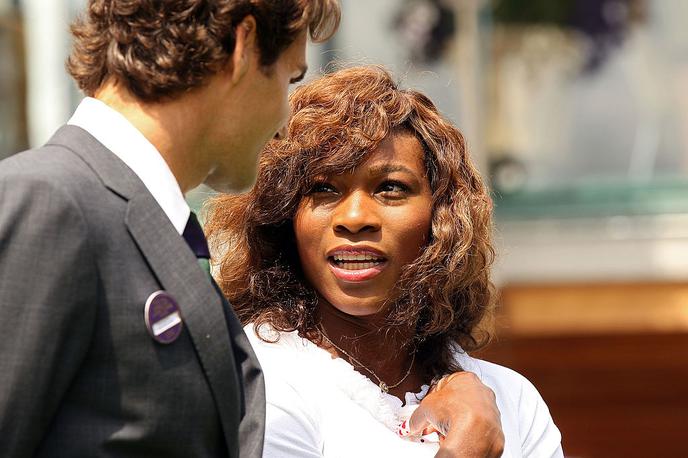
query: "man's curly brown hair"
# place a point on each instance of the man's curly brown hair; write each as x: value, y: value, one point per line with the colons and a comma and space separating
x: 446, y: 294
x: 159, y: 49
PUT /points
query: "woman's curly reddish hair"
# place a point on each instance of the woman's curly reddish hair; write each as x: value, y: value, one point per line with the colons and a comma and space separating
x: 446, y: 294
x: 159, y: 49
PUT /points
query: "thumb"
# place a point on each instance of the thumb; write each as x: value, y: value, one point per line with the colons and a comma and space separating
x: 420, y: 423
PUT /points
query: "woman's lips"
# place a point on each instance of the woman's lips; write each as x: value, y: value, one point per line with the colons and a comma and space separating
x: 356, y: 263
x: 356, y: 271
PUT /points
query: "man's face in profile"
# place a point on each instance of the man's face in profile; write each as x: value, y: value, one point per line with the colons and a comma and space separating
x: 264, y: 105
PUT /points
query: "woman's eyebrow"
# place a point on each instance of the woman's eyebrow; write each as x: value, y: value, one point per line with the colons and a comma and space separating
x: 382, y: 169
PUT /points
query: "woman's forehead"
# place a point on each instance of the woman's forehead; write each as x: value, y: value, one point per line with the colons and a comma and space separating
x: 398, y: 151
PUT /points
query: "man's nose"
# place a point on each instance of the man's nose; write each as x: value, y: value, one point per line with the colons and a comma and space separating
x: 282, y: 133
x: 356, y: 213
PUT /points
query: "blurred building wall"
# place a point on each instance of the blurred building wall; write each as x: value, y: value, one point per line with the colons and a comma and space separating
x: 47, y: 40
x: 12, y: 80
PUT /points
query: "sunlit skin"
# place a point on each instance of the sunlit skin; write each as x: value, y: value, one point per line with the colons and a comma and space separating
x: 250, y: 112
x: 382, y: 209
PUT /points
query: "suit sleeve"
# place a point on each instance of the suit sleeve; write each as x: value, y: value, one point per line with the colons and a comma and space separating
x: 48, y: 290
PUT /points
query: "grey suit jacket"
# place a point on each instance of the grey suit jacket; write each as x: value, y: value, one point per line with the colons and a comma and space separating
x: 82, y: 246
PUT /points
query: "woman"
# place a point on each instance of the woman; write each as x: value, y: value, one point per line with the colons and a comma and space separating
x: 360, y: 261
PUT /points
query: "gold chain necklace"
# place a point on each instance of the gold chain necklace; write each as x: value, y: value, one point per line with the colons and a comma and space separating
x: 383, y: 386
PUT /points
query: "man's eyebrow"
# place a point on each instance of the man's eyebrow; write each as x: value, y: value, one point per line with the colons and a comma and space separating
x: 304, y: 69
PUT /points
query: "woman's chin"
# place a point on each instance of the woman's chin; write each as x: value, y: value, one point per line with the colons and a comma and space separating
x: 355, y: 307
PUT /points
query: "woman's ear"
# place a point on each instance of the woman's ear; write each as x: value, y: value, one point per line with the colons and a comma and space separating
x: 244, y: 48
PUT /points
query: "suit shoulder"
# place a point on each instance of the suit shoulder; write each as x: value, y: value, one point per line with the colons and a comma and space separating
x: 54, y: 166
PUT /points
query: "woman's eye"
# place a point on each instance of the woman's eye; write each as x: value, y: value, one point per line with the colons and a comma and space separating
x: 322, y: 188
x: 393, y: 189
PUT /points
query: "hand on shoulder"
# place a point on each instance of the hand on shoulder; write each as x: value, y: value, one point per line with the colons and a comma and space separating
x: 464, y: 411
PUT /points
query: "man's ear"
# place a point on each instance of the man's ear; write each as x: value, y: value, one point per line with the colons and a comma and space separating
x: 244, y: 48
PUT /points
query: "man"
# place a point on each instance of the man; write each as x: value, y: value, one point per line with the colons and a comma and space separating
x: 113, y: 339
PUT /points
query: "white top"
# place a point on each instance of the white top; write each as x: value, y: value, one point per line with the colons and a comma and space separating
x: 117, y: 134
x: 318, y: 406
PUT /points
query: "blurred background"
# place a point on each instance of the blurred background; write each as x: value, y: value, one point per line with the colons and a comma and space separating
x: 576, y: 112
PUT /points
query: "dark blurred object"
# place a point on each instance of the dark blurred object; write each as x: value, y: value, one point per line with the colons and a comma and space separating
x: 604, y: 23
x: 425, y: 28
x: 13, y: 128
x: 533, y: 11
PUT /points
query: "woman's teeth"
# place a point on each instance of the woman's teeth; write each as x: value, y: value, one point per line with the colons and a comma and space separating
x: 348, y: 265
x: 356, y: 261
x: 356, y: 257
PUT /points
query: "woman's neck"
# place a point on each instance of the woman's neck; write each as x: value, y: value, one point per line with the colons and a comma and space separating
x: 380, y: 352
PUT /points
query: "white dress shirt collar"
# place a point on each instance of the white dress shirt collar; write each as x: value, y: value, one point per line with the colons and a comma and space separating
x: 118, y: 135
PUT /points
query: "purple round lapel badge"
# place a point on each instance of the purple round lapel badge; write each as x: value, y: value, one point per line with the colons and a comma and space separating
x: 163, y: 317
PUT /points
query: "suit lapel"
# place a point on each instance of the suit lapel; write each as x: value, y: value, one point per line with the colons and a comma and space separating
x: 177, y: 270
x: 252, y: 427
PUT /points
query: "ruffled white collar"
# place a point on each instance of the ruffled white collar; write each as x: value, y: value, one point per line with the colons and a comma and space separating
x: 384, y: 407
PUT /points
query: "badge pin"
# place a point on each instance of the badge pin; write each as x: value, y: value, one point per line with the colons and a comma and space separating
x: 163, y: 317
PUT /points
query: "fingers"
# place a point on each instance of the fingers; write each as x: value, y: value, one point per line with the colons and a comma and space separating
x: 473, y: 442
x: 415, y: 425
x: 431, y: 415
x: 404, y: 429
x: 491, y: 446
x: 464, y: 411
x: 426, y: 419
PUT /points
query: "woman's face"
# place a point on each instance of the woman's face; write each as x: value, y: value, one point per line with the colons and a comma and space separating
x: 355, y: 232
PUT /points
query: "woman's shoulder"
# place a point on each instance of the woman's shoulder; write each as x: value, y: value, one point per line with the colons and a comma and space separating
x: 266, y: 335
x: 273, y: 347
x: 491, y: 373
x: 286, y: 357
x: 511, y: 388
x: 288, y: 363
x: 525, y: 416
x: 293, y: 410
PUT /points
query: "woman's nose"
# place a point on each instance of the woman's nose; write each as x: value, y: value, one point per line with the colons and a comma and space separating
x: 356, y: 213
